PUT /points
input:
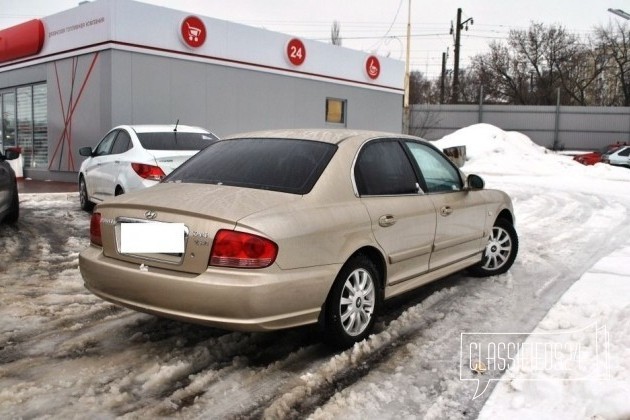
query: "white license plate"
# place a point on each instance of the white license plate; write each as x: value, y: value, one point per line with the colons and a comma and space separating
x: 151, y: 237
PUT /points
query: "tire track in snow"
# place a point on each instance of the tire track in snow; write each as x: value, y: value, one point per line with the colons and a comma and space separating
x: 133, y: 365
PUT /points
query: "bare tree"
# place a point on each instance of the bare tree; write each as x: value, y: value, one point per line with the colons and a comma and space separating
x: 335, y: 33
x: 531, y: 65
x: 420, y: 89
x: 615, y: 42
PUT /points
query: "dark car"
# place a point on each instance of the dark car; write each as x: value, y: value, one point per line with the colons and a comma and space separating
x: 9, y: 202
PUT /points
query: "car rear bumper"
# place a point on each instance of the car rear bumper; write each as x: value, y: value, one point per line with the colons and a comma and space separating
x: 233, y: 299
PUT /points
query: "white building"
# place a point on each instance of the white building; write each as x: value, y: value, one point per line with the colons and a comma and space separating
x: 66, y: 79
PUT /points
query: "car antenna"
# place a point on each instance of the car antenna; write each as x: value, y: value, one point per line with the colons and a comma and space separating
x: 176, y: 124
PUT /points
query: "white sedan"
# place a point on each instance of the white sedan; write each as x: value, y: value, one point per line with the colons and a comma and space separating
x: 619, y: 157
x: 133, y: 157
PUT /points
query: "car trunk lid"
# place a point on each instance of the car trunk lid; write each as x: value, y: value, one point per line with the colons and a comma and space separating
x: 202, y: 208
x: 169, y: 160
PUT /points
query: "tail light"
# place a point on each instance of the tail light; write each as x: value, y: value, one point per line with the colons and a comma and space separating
x: 150, y: 172
x: 95, y: 229
x: 242, y: 250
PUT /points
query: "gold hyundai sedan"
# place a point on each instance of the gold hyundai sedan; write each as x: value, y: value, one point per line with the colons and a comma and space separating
x: 277, y: 229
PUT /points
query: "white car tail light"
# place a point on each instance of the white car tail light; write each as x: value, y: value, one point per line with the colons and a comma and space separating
x: 150, y: 172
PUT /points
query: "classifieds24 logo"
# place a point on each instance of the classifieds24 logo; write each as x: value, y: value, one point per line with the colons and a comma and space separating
x: 576, y: 355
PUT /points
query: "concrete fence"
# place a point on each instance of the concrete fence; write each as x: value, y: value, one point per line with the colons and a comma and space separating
x: 555, y: 127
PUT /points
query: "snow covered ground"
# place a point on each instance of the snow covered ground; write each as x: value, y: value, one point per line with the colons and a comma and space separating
x: 66, y: 353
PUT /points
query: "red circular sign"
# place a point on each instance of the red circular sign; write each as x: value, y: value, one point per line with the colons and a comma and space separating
x: 193, y: 31
x: 296, y: 52
x: 372, y: 67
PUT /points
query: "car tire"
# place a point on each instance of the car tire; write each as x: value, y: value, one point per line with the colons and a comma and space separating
x: 86, y: 204
x: 500, y: 252
x: 14, y: 212
x: 352, y: 303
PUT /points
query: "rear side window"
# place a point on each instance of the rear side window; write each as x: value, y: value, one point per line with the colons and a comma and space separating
x: 175, y: 140
x: 285, y: 165
x: 383, y: 168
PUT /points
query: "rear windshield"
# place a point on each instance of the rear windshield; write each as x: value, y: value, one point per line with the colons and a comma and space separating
x: 285, y: 165
x: 175, y: 140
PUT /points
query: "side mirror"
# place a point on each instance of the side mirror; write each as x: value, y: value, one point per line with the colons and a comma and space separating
x: 11, y: 154
x: 85, y: 151
x: 475, y: 182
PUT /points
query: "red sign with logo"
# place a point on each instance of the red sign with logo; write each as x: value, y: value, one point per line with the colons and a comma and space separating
x: 193, y: 32
x: 372, y: 67
x: 296, y: 52
x: 21, y: 40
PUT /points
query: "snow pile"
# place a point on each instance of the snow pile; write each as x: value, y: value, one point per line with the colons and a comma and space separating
x: 492, y: 151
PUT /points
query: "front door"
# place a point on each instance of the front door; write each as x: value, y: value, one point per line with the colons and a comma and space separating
x: 460, y: 213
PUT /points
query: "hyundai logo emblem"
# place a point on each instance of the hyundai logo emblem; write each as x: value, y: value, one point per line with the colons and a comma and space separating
x: 150, y: 214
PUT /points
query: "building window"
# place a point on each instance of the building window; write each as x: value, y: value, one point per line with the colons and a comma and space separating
x: 336, y: 111
x: 24, y: 123
x: 40, y: 125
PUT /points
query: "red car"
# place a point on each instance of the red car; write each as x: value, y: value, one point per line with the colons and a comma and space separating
x: 596, y: 157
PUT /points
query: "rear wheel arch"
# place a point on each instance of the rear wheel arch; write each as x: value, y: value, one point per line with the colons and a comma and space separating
x: 365, y: 260
x: 376, y: 257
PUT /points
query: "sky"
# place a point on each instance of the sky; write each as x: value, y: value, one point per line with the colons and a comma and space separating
x: 378, y: 25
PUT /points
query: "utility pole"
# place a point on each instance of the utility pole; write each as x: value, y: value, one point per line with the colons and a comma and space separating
x: 443, y: 78
x: 406, y: 109
x: 460, y: 25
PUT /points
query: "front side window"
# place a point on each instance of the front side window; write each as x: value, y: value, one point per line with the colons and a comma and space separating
x: 438, y: 172
x: 383, y: 168
x: 285, y: 165
x: 105, y: 145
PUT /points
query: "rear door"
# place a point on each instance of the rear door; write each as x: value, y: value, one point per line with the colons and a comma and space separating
x: 403, y: 218
x: 461, y: 214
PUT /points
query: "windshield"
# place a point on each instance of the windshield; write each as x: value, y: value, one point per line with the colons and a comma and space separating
x: 173, y: 140
x: 285, y: 165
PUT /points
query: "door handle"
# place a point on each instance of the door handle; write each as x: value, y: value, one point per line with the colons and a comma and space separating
x: 386, y: 220
x: 445, y: 211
